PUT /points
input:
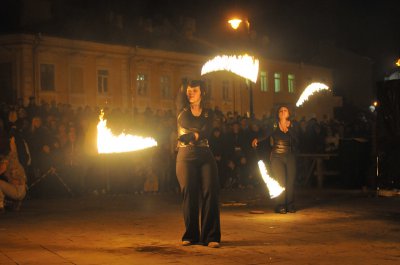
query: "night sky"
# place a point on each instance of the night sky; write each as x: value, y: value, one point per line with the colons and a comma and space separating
x: 293, y: 29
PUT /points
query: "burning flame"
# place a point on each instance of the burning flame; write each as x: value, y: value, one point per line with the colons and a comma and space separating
x: 310, y: 89
x: 273, y: 186
x: 109, y: 143
x: 398, y: 62
x: 243, y: 65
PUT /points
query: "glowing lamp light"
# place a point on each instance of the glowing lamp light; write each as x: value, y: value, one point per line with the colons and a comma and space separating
x: 273, y: 186
x: 398, y: 62
x: 109, y: 143
x: 243, y: 65
x: 235, y: 23
x: 310, y: 90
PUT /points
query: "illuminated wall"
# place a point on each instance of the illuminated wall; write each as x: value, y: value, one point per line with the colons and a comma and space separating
x: 88, y: 73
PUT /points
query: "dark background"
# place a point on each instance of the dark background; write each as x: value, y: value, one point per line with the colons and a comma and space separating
x: 290, y: 30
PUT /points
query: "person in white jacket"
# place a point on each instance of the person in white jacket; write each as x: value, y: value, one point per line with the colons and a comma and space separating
x: 13, y: 178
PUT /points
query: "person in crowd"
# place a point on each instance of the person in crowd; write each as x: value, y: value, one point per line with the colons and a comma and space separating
x: 24, y: 156
x: 38, y: 142
x: 284, y: 141
x: 235, y: 142
x: 196, y: 168
x: 331, y: 140
x: 217, y: 147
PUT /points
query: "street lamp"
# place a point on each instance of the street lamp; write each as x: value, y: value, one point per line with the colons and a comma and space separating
x: 235, y: 24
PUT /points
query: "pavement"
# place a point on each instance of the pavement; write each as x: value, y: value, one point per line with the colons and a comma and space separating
x: 330, y: 227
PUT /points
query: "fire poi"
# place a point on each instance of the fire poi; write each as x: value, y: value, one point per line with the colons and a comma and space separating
x: 274, y: 188
x: 243, y: 65
x: 310, y: 90
x: 107, y: 142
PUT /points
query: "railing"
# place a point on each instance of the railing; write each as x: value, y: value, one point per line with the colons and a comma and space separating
x: 317, y: 166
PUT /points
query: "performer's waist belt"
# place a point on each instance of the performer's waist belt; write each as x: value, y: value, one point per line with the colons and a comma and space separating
x: 282, y: 147
x: 200, y: 143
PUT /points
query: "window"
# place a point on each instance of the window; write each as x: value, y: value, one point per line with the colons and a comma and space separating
x: 141, y: 84
x: 165, y: 86
x: 291, y: 83
x: 102, y: 81
x: 47, y: 77
x: 226, y: 90
x: 264, y: 81
x: 76, y: 79
x: 277, y: 79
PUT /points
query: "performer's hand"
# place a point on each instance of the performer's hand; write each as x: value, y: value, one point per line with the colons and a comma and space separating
x: 254, y: 143
x: 187, y: 138
x: 287, y: 124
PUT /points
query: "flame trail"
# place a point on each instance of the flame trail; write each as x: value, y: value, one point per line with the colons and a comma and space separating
x: 273, y: 186
x: 243, y: 65
x: 310, y: 89
x: 109, y: 143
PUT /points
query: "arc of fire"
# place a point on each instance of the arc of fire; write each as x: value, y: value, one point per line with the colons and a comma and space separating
x: 107, y: 142
x: 243, y: 65
x: 310, y: 90
x: 274, y: 188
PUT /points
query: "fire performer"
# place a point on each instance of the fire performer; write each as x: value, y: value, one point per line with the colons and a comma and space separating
x: 196, y: 167
x: 283, y: 140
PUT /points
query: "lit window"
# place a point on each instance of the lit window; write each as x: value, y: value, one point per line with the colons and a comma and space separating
x: 141, y: 84
x: 102, y: 81
x: 277, y: 79
x: 165, y: 85
x: 225, y: 90
x: 264, y: 81
x: 47, y: 77
x: 76, y: 79
x: 291, y: 83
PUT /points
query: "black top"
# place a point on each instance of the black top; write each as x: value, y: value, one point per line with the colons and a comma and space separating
x: 284, y: 143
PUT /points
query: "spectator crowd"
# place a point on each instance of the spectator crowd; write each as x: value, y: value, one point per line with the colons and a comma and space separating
x: 55, y: 141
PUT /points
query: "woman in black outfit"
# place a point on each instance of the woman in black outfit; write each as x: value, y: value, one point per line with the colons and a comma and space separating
x: 283, y: 141
x: 196, y: 168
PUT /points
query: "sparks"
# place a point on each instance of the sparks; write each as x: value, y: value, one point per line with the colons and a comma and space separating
x: 109, y: 143
x: 243, y: 65
x: 273, y: 186
x: 311, y: 89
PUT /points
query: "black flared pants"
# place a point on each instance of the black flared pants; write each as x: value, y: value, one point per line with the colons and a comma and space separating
x: 283, y: 167
x: 197, y: 174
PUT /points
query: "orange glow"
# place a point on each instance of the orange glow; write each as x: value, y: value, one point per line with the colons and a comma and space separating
x: 109, y: 143
x: 398, y: 62
x: 375, y: 103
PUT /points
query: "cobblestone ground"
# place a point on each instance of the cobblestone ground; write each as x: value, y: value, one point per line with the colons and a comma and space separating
x: 331, y: 227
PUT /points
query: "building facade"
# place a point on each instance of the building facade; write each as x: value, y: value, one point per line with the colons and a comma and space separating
x: 84, y: 73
